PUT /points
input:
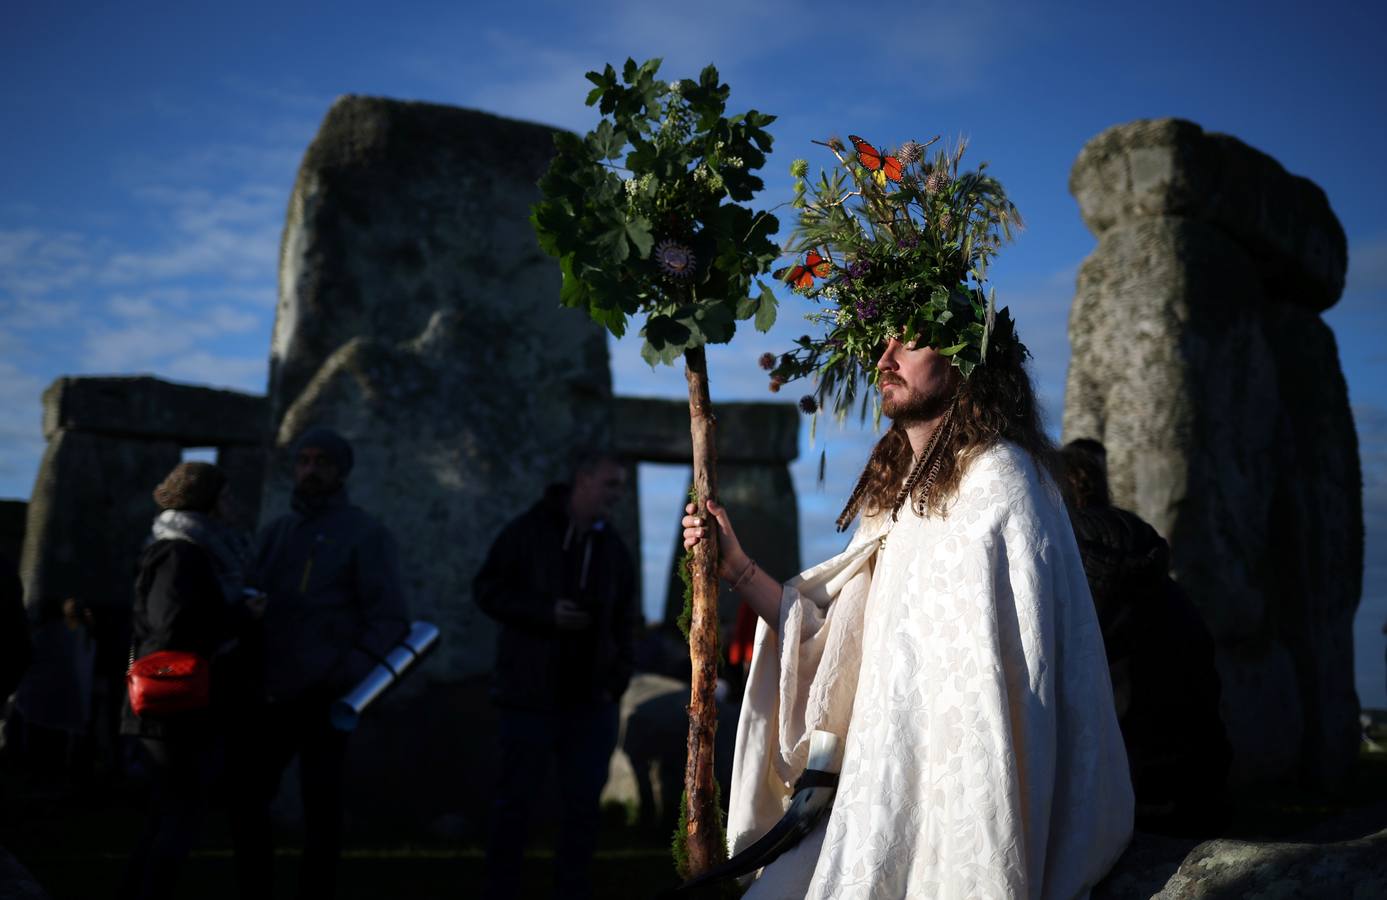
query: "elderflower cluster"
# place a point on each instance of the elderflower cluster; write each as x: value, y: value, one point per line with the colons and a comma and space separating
x: 705, y: 176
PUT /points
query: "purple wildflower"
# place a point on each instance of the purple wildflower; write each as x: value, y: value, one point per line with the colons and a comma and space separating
x: 859, y: 268
x: 868, y: 309
x: 909, y: 242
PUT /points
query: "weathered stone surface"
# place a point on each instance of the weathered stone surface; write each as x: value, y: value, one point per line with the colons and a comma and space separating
x: 1262, y: 708
x: 1219, y: 396
x: 148, y: 408
x: 399, y: 210
x: 1236, y: 870
x: 1170, y: 167
x: 656, y: 430
x: 89, y: 515
x: 455, y: 433
x: 760, y: 500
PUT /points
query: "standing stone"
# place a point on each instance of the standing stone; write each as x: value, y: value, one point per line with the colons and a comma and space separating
x: 89, y: 516
x: 1201, y: 362
x: 419, y: 317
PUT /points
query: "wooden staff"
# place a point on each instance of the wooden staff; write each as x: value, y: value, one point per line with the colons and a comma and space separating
x: 705, y: 841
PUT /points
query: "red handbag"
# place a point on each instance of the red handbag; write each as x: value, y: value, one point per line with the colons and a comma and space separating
x: 166, y: 682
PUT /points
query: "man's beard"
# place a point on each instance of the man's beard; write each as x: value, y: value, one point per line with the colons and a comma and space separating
x: 907, y: 406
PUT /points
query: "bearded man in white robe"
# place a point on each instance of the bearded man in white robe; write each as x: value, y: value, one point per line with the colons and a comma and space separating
x: 953, y: 647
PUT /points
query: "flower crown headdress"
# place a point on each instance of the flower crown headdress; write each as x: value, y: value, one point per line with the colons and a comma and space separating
x: 894, y: 246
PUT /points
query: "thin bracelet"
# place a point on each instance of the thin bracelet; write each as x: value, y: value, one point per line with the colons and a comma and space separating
x: 743, y: 578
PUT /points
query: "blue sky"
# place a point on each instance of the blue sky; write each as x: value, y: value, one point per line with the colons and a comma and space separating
x: 148, y: 150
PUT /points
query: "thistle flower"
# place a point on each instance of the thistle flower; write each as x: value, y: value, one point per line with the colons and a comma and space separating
x: 808, y: 405
x: 776, y: 382
x: 675, y: 259
x: 946, y: 221
x: 936, y: 182
x: 910, y: 152
x: 767, y: 361
x: 799, y: 168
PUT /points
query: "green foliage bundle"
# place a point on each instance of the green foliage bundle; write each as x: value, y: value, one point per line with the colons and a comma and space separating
x: 896, y: 245
x: 663, y: 231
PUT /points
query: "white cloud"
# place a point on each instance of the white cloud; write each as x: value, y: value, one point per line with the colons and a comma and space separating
x: 203, y: 367
x: 36, y: 263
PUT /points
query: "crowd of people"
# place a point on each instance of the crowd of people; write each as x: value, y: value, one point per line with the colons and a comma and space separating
x: 992, y: 645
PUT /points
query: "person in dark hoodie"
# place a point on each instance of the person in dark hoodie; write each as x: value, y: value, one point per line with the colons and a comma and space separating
x: 1160, y: 656
x: 334, y: 607
x: 188, y: 596
x: 561, y: 583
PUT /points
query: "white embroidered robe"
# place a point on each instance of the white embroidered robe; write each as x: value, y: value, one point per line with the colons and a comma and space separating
x: 960, y: 658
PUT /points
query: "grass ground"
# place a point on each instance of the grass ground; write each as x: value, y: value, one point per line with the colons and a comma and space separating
x: 75, y: 844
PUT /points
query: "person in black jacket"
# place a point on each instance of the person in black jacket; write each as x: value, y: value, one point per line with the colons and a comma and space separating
x: 1160, y: 656
x: 188, y: 596
x: 334, y: 607
x: 561, y: 583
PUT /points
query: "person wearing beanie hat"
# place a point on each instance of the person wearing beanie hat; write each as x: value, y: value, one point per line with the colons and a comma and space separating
x: 334, y: 607
x: 320, y: 437
x: 187, y: 597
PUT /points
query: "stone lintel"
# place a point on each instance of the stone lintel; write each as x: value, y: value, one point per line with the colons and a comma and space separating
x: 146, y: 408
x: 656, y: 430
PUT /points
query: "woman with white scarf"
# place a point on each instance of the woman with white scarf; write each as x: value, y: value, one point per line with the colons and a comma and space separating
x: 188, y: 596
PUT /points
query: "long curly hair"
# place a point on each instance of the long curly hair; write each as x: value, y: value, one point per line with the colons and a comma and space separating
x: 997, y: 403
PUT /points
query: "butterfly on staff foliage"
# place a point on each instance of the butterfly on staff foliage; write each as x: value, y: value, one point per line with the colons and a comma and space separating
x: 801, y: 277
x: 881, y: 166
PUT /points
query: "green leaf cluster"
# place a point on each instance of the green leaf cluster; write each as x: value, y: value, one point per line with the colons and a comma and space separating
x: 646, y: 213
x: 908, y: 260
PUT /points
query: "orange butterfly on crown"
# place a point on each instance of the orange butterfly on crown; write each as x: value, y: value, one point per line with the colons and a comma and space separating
x: 801, y: 276
x: 882, y: 166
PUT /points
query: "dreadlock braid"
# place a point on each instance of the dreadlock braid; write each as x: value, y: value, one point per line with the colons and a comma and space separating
x: 864, y: 481
x: 890, y: 453
x: 931, y: 458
